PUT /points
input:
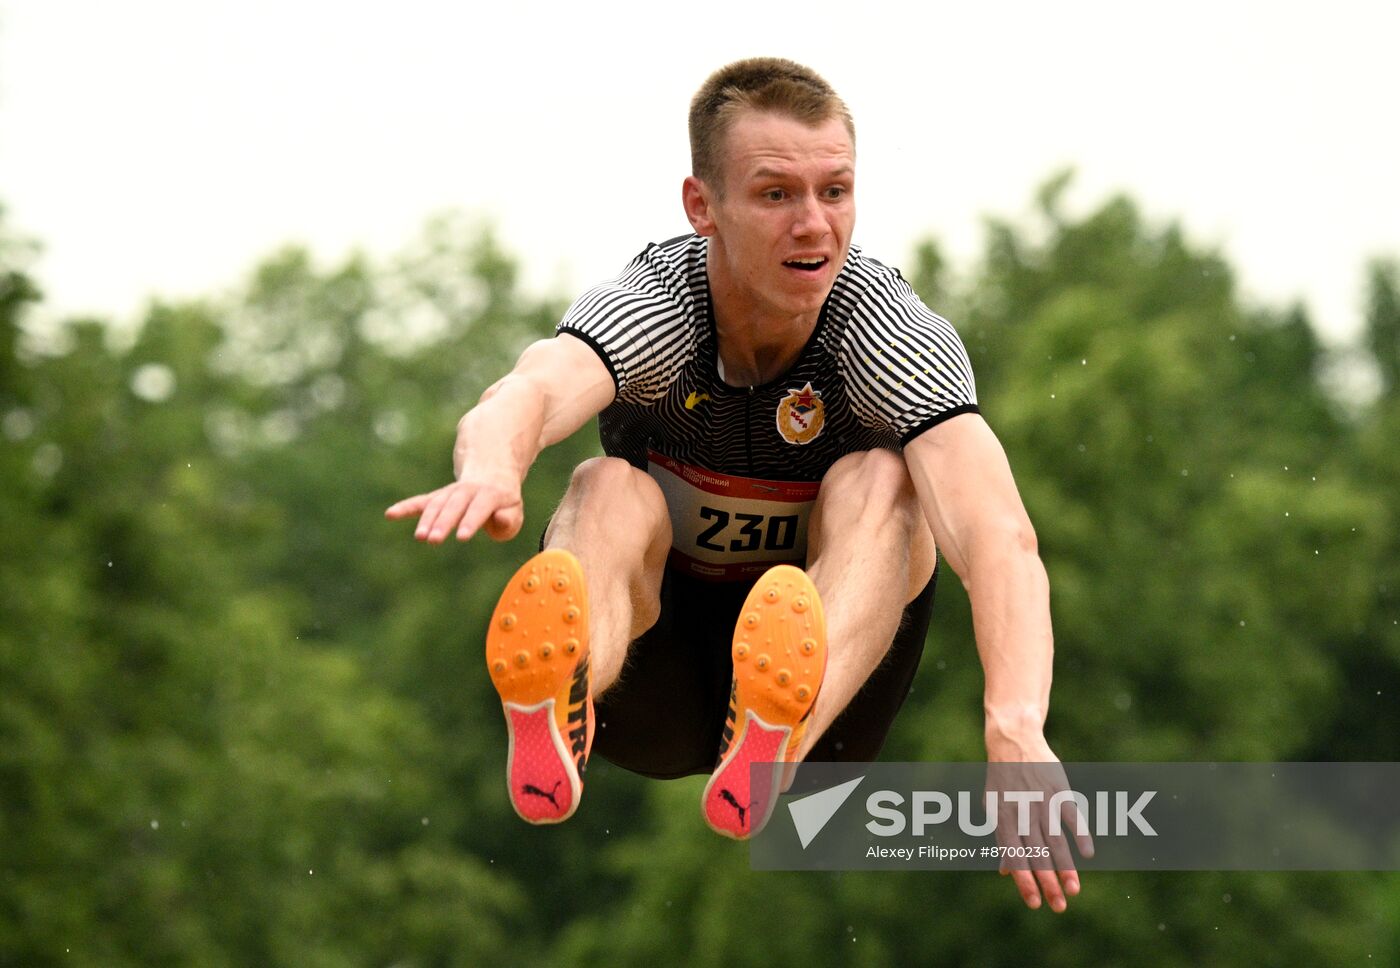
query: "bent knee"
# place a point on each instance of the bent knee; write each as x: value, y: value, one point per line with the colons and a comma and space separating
x: 603, y: 472
x: 862, y: 496
x: 612, y: 486
x: 868, y: 476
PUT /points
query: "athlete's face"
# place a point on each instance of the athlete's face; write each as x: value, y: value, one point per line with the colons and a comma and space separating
x: 780, y: 228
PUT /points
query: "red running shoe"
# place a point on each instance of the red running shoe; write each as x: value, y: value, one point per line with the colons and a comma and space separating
x: 779, y: 660
x: 537, y: 654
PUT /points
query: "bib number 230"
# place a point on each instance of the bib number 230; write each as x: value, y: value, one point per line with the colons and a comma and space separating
x: 776, y: 532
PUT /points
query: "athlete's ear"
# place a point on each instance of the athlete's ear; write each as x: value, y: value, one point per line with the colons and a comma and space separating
x: 695, y: 196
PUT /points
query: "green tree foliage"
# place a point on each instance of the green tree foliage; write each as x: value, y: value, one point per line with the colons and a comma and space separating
x: 243, y: 720
x: 1383, y: 321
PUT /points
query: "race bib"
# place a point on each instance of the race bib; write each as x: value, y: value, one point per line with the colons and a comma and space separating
x: 725, y: 527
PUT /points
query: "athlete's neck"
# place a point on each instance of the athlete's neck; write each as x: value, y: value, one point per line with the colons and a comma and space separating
x: 757, y: 343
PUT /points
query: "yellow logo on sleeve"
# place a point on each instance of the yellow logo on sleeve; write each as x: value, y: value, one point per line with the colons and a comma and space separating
x: 801, y: 415
x: 695, y: 399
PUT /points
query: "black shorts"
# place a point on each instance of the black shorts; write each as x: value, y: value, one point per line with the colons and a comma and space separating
x: 664, y: 715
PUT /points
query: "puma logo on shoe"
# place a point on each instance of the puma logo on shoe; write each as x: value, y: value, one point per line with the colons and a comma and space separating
x: 536, y: 791
x: 728, y: 798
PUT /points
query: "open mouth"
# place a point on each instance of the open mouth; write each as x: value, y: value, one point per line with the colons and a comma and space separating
x: 806, y: 265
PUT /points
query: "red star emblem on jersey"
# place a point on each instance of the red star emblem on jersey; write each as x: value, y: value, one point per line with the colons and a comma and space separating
x: 801, y: 415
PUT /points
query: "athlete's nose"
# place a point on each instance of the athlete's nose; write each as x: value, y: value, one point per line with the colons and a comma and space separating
x: 810, y: 220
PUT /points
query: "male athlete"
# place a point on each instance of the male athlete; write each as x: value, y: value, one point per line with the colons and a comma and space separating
x: 747, y: 576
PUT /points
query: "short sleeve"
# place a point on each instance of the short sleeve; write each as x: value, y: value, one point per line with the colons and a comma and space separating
x: 637, y: 324
x: 906, y: 367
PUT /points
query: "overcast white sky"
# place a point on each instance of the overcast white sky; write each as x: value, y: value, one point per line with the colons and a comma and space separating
x: 163, y: 147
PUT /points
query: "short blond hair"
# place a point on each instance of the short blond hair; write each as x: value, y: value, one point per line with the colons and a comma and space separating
x: 761, y: 84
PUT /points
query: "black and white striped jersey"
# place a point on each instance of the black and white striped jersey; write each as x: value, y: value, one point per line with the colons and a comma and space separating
x: 879, y: 369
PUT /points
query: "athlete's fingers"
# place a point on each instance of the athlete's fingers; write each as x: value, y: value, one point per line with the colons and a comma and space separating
x: 1059, y: 852
x: 1050, y: 887
x: 1073, y: 822
x: 1025, y: 883
x: 1045, y: 875
x: 448, y: 514
x: 505, y: 523
x: 408, y: 507
x: 1063, y: 863
x: 430, y: 513
x: 434, y: 513
x: 1069, y: 880
x: 484, y: 503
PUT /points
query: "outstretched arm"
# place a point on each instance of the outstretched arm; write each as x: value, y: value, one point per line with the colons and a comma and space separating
x: 967, y: 492
x: 965, y: 487
x: 557, y: 385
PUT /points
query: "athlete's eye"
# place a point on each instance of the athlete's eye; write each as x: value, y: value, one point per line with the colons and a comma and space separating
x: 835, y: 192
x: 775, y: 194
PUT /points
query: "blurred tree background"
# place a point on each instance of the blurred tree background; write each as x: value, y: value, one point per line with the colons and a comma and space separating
x: 244, y: 720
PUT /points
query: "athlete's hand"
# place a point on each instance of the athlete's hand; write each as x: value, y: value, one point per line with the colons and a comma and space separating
x: 476, y: 502
x: 1040, y: 863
